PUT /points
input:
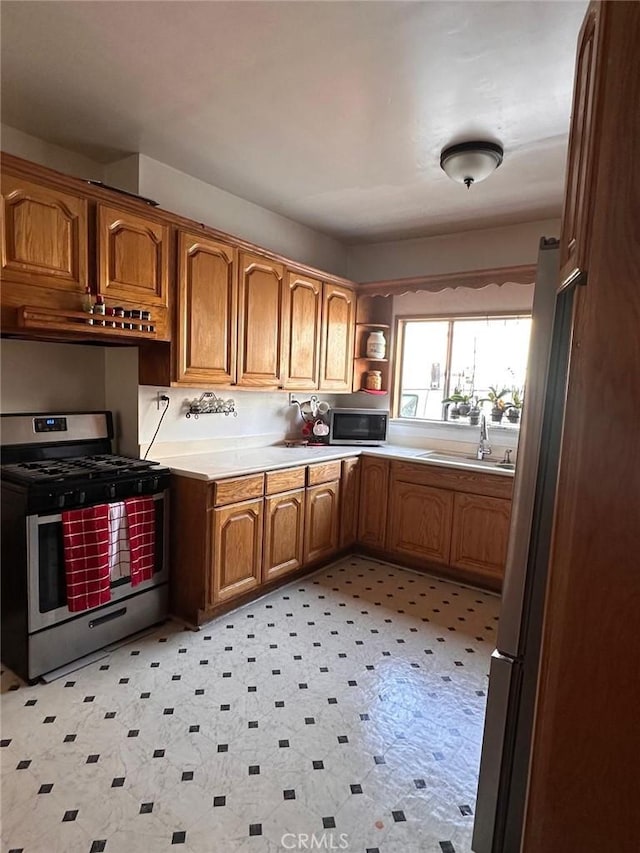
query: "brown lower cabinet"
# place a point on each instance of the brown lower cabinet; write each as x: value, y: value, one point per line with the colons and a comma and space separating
x: 480, y: 533
x: 232, y: 536
x: 349, y: 501
x: 283, y: 534
x: 452, y: 519
x: 372, y: 513
x: 322, y: 521
x: 236, y: 534
x: 419, y: 522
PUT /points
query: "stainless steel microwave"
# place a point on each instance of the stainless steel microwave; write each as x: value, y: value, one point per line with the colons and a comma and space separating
x: 358, y: 426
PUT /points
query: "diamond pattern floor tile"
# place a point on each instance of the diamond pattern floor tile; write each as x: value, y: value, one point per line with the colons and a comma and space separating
x: 348, y: 705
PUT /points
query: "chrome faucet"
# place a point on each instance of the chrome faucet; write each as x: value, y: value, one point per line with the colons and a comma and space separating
x: 484, y: 448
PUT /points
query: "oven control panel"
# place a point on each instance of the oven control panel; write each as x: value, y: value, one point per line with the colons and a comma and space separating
x: 56, y: 424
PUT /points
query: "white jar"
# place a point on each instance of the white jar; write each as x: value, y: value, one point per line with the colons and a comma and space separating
x: 376, y: 345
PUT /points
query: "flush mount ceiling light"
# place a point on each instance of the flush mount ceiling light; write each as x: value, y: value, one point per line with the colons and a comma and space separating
x: 471, y: 162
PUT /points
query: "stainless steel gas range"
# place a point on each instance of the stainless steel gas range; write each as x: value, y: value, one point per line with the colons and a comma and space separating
x: 52, y: 463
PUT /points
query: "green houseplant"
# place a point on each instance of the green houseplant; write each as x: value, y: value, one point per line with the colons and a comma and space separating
x: 461, y: 404
x: 515, y: 406
x: 498, y: 404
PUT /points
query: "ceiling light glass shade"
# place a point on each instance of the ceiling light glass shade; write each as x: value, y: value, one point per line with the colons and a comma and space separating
x: 471, y: 162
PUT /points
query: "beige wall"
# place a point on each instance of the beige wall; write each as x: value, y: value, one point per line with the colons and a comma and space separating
x: 37, y: 376
x: 203, y: 202
x: 466, y: 250
x: 45, y: 377
x: 121, y: 396
x: 22, y: 144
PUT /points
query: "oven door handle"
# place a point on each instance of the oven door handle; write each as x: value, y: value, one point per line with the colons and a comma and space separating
x: 52, y: 519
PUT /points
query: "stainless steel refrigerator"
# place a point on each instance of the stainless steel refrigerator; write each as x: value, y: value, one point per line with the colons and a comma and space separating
x: 513, y: 677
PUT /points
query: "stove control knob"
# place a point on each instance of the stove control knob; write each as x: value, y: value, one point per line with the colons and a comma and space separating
x: 139, y: 487
x: 81, y: 497
x: 154, y: 484
x: 111, y: 491
x: 60, y: 501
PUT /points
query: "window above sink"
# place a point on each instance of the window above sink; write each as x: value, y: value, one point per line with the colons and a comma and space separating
x: 450, y: 369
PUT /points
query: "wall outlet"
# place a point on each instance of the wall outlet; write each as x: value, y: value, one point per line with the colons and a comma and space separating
x: 161, y: 398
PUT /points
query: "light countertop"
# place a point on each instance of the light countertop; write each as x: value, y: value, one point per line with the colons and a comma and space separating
x: 220, y: 464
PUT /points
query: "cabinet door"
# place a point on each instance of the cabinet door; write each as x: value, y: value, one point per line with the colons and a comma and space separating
x: 576, y: 217
x: 207, y: 310
x: 133, y: 257
x: 480, y: 533
x: 261, y: 325
x: 237, y: 549
x: 303, y: 307
x: 338, y: 317
x: 372, y: 516
x: 349, y: 499
x: 283, y: 534
x: 420, y: 519
x: 321, y: 521
x: 44, y: 236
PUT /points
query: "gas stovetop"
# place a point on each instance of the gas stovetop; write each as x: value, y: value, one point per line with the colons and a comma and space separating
x: 104, y: 466
x: 64, y: 461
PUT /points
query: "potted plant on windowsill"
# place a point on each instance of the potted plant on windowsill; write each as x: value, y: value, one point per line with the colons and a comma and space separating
x: 474, y: 413
x: 461, y: 404
x: 515, y: 406
x: 498, y: 404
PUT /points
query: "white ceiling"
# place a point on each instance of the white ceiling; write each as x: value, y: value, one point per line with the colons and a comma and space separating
x: 330, y: 113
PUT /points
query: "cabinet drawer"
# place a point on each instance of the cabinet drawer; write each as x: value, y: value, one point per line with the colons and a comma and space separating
x: 456, y: 479
x: 323, y: 473
x: 238, y: 489
x: 284, y: 481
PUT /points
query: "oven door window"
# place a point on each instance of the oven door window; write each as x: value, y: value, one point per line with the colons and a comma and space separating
x: 52, y: 588
x: 52, y: 585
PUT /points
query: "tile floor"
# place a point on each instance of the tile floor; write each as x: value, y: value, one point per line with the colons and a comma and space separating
x: 343, y: 711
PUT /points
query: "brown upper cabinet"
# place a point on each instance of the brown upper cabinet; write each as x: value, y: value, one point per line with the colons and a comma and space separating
x: 336, y: 355
x: 44, y: 236
x: 261, y: 321
x: 303, y: 312
x: 576, y: 218
x: 206, y: 329
x: 222, y: 311
x: 133, y: 257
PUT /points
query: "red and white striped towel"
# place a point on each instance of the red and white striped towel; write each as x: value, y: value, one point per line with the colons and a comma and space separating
x: 141, y: 515
x: 119, y: 558
x: 86, y: 556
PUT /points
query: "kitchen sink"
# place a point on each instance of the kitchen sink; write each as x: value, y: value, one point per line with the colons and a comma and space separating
x: 455, y: 458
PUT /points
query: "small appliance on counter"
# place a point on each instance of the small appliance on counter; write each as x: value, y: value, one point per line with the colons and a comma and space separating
x: 315, y: 417
x: 359, y: 426
x: 84, y: 540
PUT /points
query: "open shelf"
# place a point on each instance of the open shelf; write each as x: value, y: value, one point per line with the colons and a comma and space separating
x: 59, y: 320
x: 373, y: 325
x: 373, y: 313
